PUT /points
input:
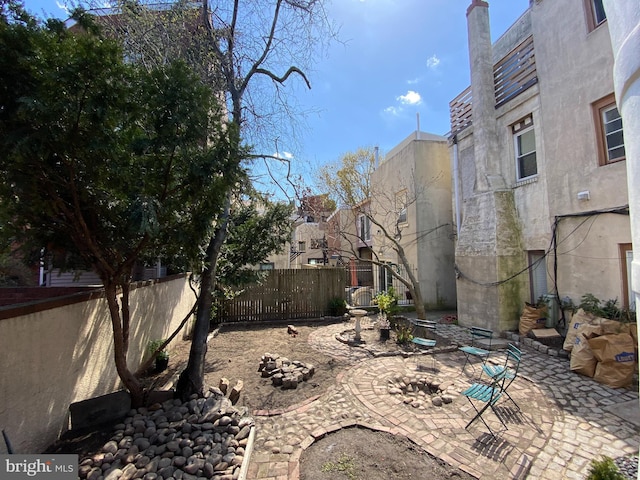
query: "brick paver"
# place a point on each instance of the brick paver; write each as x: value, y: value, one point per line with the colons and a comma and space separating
x: 561, y: 427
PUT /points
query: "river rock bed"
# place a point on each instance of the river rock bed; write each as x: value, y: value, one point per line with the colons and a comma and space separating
x: 202, y: 438
x: 419, y: 392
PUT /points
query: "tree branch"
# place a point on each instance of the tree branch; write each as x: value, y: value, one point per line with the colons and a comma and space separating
x: 283, y: 79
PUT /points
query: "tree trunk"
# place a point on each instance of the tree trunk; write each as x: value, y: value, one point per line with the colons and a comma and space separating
x: 191, y: 379
x: 415, y: 285
x: 120, y: 341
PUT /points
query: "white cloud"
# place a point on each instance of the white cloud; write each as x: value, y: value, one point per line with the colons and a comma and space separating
x: 433, y: 62
x: 410, y: 98
x: 394, y: 111
x: 284, y: 155
x: 413, y: 81
x: 62, y: 6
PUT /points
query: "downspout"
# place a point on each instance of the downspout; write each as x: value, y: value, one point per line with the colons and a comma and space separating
x: 456, y: 198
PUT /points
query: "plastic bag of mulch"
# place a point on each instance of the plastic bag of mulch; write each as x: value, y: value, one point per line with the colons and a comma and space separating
x: 532, y: 317
x: 616, y: 359
x: 583, y: 361
x: 579, y: 318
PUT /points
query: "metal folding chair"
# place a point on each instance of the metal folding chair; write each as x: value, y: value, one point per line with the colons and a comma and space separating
x: 509, y: 369
x: 485, y: 396
x: 427, y: 326
x: 473, y: 350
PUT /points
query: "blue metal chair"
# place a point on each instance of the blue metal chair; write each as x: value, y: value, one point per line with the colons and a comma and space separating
x: 474, y: 350
x: 509, y: 369
x: 427, y: 326
x: 483, y: 397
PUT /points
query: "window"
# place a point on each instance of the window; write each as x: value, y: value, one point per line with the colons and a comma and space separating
x: 525, y: 148
x: 401, y: 206
x: 302, y: 247
x: 267, y: 266
x: 317, y: 243
x: 316, y: 261
x: 608, y: 131
x: 537, y: 274
x: 595, y: 13
x: 365, y: 228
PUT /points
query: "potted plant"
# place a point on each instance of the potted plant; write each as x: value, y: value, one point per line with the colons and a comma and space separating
x: 162, y: 357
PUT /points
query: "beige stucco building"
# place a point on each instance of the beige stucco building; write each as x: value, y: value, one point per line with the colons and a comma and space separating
x: 540, y: 183
x: 411, y: 189
x: 308, y: 246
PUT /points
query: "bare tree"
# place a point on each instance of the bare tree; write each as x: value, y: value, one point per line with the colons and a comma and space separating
x: 252, y: 51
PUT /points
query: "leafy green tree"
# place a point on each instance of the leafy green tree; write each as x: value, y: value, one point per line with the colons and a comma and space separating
x: 257, y: 228
x: 104, y: 159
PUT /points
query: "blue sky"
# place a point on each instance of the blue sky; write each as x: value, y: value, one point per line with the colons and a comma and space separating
x: 400, y: 58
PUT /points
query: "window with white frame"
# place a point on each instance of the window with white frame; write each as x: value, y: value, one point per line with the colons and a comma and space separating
x: 609, y: 131
x: 302, y: 246
x: 525, y: 148
x: 365, y: 228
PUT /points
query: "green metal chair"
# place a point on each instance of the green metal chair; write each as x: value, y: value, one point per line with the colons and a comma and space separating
x: 483, y: 397
x: 427, y: 326
x: 509, y: 369
x: 473, y: 350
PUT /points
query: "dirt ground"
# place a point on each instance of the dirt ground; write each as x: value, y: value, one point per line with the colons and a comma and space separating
x: 349, y: 454
x: 235, y: 354
x: 363, y: 454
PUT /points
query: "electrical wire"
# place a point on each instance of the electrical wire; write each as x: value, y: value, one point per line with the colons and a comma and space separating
x: 590, y: 215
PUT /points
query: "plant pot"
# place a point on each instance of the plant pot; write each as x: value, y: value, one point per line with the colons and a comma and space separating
x: 161, y: 364
x: 384, y: 334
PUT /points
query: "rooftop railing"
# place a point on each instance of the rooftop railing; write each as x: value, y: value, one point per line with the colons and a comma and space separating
x: 512, y: 75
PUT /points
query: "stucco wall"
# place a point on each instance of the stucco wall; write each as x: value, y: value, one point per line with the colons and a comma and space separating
x: 420, y: 166
x: 53, y: 357
x: 574, y: 70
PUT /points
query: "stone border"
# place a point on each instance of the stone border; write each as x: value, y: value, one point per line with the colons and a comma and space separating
x: 536, y: 345
x: 247, y: 454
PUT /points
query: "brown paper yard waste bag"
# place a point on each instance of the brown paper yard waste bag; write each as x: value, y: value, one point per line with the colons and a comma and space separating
x: 532, y: 317
x: 616, y: 359
x: 613, y: 326
x: 579, y: 318
x: 582, y: 359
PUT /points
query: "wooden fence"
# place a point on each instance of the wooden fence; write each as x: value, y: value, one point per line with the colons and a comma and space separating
x: 286, y: 294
